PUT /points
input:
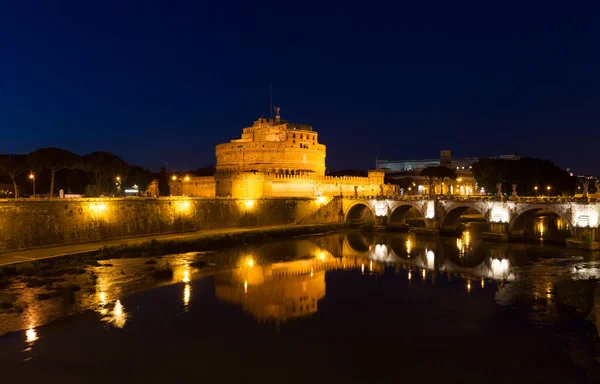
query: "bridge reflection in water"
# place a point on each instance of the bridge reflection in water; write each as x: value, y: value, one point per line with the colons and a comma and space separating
x: 284, y: 290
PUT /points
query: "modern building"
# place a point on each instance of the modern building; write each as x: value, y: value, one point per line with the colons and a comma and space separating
x: 465, y: 184
x: 445, y: 159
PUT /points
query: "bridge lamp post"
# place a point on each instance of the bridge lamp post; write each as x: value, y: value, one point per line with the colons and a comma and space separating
x: 32, y: 178
x: 548, y: 188
x: 187, y: 185
x: 536, y: 189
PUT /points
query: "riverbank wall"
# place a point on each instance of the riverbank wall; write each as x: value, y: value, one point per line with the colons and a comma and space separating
x: 31, y: 223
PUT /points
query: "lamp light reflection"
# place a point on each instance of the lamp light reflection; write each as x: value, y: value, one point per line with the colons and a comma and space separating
x: 31, y: 335
x: 186, y: 295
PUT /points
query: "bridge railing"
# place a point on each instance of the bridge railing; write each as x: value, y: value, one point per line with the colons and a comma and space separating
x: 518, y: 199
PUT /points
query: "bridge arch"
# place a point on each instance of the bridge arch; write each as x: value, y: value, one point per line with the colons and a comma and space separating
x: 452, y: 213
x: 399, y: 213
x: 525, y: 213
x: 359, y: 212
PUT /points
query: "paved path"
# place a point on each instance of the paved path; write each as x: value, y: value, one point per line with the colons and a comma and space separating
x: 65, y: 250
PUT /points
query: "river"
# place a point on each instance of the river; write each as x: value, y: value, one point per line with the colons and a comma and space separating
x: 343, y: 307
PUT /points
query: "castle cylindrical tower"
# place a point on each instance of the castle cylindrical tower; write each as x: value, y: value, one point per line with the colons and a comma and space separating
x: 273, y: 146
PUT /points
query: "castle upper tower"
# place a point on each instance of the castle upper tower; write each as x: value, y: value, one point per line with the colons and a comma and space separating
x: 275, y: 146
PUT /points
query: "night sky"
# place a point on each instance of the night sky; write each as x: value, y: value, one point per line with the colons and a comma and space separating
x: 158, y: 82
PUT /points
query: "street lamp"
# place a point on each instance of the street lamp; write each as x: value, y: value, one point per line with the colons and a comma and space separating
x: 536, y: 188
x: 32, y: 178
x: 119, y: 184
x: 187, y: 185
x: 174, y: 177
x: 548, y: 188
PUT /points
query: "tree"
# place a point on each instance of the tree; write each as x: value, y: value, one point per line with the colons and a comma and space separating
x: 53, y: 159
x: 439, y: 172
x: 13, y: 166
x: 140, y: 176
x: 209, y: 170
x: 527, y: 173
x: 105, y: 167
x: 163, y: 183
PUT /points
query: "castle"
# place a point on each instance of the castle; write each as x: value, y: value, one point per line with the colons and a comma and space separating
x: 273, y: 158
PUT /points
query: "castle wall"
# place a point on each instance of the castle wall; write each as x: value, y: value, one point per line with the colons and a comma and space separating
x: 34, y: 223
x: 197, y: 186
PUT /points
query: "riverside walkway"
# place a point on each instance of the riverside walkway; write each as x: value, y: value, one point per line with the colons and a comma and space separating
x: 15, y: 257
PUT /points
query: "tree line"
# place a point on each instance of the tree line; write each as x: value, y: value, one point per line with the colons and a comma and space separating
x: 94, y: 174
x: 531, y: 176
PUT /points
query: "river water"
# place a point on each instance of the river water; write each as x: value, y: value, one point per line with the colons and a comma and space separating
x: 345, y: 307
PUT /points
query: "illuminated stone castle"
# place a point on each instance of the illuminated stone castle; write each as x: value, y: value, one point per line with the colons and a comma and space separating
x: 273, y: 158
x: 274, y: 146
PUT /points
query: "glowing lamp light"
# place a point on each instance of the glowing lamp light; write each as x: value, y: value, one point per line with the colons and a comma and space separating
x: 430, y: 259
x: 250, y: 262
x: 430, y: 214
x: 499, y: 214
x: 249, y: 204
x: 98, y: 207
x: 380, y: 208
x: 321, y: 199
x: 31, y: 335
x: 186, y: 294
x: 187, y: 178
x: 31, y: 176
x: 408, y: 246
x: 173, y: 177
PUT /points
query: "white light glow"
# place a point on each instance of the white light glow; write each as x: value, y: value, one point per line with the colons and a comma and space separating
x: 31, y: 335
x: 381, y: 208
x: 430, y: 210
x: 499, y: 268
x: 499, y: 214
x: 430, y: 259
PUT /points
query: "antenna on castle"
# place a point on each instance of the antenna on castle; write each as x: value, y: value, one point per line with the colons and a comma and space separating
x: 270, y: 101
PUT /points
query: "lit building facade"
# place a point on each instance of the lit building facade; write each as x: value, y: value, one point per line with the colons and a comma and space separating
x: 274, y: 158
x: 465, y: 183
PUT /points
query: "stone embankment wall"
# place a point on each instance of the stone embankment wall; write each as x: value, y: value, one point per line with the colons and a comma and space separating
x: 35, y: 223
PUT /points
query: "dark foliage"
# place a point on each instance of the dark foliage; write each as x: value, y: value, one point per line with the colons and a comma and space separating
x: 139, y: 176
x: 163, y: 183
x: 439, y: 173
x: 527, y: 173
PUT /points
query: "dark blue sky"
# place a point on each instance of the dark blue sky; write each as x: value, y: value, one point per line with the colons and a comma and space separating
x: 158, y: 82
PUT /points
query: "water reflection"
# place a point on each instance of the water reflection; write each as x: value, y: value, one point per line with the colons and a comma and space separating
x: 263, y: 283
x: 31, y: 335
x: 277, y: 291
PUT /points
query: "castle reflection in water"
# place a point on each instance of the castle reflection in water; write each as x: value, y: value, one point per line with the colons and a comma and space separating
x: 283, y: 290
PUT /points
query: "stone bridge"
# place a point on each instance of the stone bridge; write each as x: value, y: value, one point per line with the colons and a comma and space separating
x: 506, y: 217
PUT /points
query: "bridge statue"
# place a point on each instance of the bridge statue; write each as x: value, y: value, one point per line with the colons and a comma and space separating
x: 586, y: 184
x: 499, y: 190
x: 514, y: 190
x: 356, y: 191
x: 381, y: 189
